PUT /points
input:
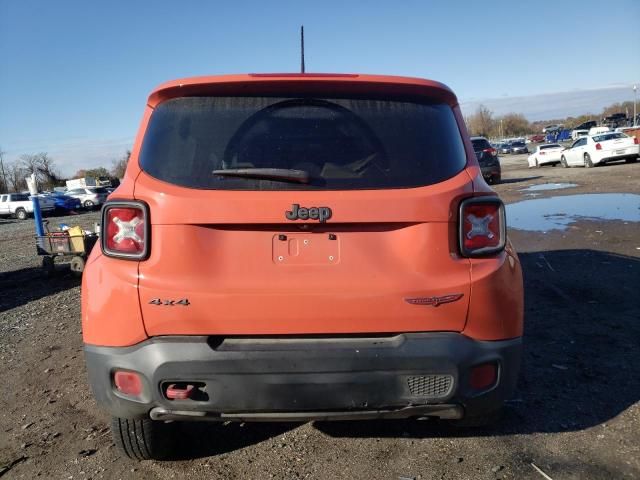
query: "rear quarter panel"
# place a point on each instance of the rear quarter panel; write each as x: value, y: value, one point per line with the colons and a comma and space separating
x: 496, y: 309
x: 110, y: 305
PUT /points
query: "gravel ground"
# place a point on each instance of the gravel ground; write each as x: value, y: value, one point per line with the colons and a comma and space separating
x: 575, y: 414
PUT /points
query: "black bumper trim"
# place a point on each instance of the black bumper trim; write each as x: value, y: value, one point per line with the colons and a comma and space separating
x: 276, y: 379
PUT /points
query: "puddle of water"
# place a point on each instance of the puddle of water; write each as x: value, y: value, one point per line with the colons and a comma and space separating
x: 556, y: 213
x: 548, y: 186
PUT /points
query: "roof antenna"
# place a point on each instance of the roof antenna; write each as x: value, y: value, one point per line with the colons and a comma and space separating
x: 301, y: 48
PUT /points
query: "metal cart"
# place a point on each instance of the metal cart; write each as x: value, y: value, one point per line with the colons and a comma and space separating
x: 73, y: 243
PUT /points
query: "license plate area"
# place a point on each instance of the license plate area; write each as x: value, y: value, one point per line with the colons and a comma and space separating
x: 620, y: 152
x: 306, y: 249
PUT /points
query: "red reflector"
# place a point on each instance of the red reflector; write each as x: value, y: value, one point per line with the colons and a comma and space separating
x: 128, y: 383
x: 598, y: 146
x: 179, y: 392
x: 635, y: 140
x: 483, y: 376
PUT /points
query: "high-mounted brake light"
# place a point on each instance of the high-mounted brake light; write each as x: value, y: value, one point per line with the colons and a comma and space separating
x: 598, y: 146
x: 125, y: 230
x: 482, y: 226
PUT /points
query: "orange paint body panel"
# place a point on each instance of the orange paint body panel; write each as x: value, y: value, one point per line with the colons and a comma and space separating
x: 496, y: 309
x: 235, y: 287
x: 220, y: 248
x: 110, y: 305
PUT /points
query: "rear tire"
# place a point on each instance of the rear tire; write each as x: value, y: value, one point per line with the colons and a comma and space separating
x: 142, y: 439
x: 21, y: 214
x: 563, y: 162
x: 587, y: 161
x: 88, y: 204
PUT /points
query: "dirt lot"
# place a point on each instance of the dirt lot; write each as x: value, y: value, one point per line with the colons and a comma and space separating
x: 576, y: 414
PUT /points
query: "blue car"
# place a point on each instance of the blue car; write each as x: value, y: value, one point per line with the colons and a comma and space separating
x: 65, y: 203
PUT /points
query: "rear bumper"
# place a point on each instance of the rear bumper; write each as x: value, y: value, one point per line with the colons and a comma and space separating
x: 406, y: 375
x: 493, y: 171
x: 548, y: 160
x: 610, y: 157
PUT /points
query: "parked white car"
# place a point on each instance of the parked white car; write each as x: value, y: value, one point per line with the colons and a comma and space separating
x: 90, y: 196
x: 600, y: 149
x: 576, y: 134
x: 548, y: 154
x: 21, y: 206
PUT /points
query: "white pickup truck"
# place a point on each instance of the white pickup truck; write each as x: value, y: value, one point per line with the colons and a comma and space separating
x: 20, y: 205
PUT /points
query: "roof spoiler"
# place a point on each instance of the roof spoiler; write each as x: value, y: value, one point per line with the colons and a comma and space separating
x: 303, y: 84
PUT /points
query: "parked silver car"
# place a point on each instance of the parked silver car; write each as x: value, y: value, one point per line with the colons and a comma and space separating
x: 89, y: 196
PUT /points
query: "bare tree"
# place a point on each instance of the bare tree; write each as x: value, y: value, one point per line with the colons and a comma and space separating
x: 120, y: 166
x: 515, y: 124
x: 482, y: 122
x: 4, y: 187
x: 16, y: 175
x: 43, y: 166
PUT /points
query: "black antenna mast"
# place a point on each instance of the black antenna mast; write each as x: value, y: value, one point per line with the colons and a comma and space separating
x: 301, y: 48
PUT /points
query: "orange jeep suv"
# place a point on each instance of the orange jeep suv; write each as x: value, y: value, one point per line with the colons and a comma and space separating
x: 293, y: 247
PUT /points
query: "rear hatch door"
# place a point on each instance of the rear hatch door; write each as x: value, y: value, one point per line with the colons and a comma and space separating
x: 367, y: 246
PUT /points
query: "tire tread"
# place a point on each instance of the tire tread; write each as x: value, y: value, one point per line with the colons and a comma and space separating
x: 140, y: 439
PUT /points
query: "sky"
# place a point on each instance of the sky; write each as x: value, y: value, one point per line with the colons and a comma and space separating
x: 75, y: 75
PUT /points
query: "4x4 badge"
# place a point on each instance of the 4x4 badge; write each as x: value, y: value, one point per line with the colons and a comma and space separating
x: 170, y: 303
x: 313, y: 213
x: 434, y: 301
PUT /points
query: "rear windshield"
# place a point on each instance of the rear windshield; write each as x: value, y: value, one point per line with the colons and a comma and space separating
x: 518, y: 144
x: 342, y: 143
x: 97, y: 190
x: 608, y: 136
x: 551, y: 145
x: 480, y: 144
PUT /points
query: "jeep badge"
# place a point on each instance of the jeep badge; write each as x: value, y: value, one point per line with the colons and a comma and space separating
x: 314, y: 213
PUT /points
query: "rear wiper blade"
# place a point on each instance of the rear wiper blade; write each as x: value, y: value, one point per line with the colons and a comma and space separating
x: 279, y: 174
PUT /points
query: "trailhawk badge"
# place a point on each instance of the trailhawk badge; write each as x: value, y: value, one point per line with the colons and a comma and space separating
x: 434, y: 301
x: 313, y: 213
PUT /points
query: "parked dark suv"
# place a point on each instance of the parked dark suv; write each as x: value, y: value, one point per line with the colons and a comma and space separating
x: 487, y: 158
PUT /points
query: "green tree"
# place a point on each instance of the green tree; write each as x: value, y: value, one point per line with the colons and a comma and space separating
x: 92, y: 172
